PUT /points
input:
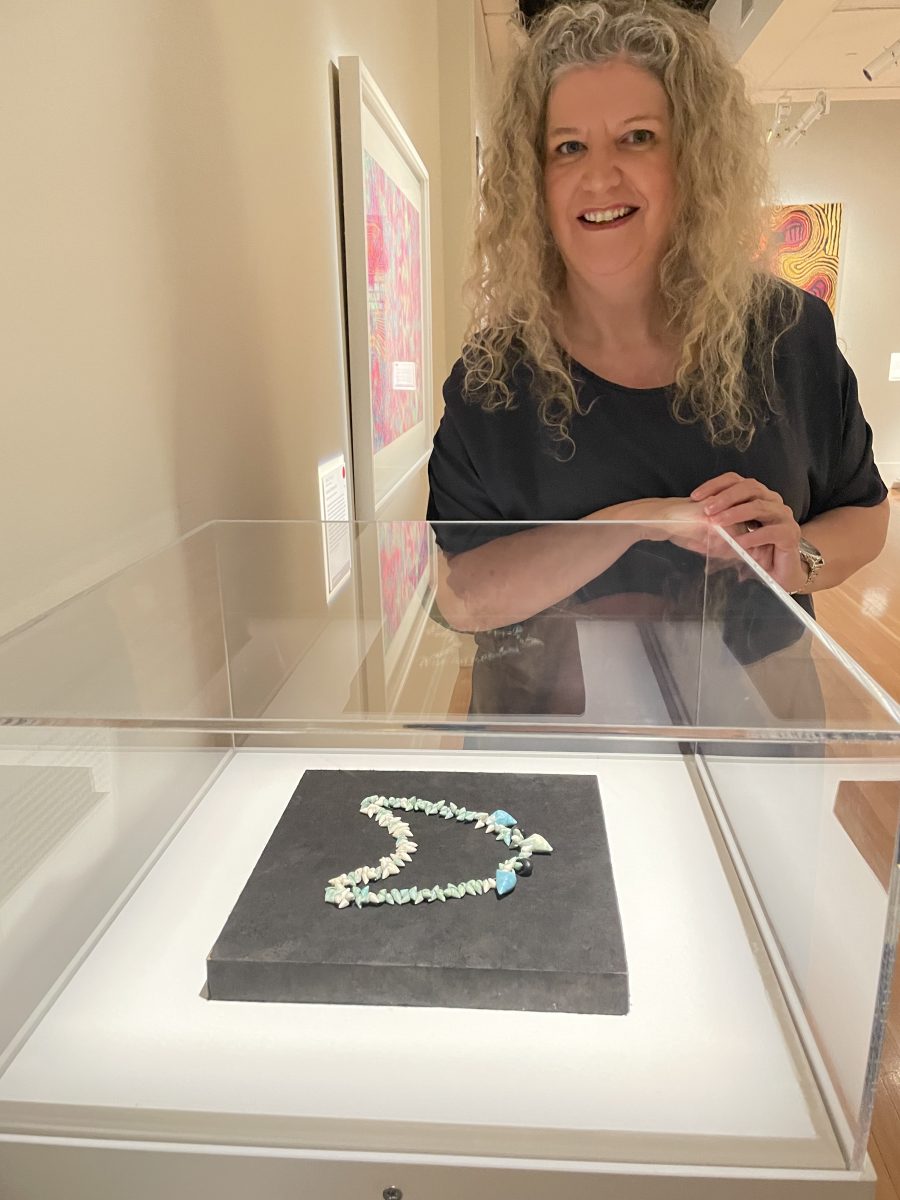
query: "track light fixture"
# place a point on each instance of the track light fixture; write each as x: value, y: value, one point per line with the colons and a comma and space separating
x: 819, y: 108
x: 780, y: 126
x: 889, y: 57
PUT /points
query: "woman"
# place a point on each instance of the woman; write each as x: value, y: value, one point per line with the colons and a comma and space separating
x: 629, y: 357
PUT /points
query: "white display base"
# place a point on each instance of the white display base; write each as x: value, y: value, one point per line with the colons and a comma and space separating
x: 69, y: 1169
x: 703, y: 1069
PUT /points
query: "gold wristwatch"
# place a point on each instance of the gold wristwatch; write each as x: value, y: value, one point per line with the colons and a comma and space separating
x: 812, y: 560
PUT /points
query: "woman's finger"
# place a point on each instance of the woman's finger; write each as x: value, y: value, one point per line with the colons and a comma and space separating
x: 713, y: 486
x: 764, y: 511
x: 748, y: 489
x: 782, y: 537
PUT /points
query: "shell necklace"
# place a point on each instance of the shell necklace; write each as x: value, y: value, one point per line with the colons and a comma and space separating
x: 353, y: 887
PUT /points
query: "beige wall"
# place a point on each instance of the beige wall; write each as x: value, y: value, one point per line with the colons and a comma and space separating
x: 850, y: 156
x: 457, y: 33
x: 171, y: 299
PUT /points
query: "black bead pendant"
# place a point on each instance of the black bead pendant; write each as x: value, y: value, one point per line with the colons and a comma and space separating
x: 524, y: 868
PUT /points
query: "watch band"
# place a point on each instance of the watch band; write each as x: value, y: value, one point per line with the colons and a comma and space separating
x: 812, y: 559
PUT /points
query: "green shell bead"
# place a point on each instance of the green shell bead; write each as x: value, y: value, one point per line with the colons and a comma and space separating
x: 538, y: 844
x: 389, y: 899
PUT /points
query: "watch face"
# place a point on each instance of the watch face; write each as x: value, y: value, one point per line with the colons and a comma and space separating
x: 811, y: 554
x: 811, y: 558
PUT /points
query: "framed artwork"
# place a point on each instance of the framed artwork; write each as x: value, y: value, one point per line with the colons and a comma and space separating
x: 805, y: 242
x: 388, y: 288
x: 405, y: 583
x: 397, y: 578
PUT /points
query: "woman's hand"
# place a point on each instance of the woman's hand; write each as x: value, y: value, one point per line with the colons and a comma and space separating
x: 770, y: 534
x: 677, y: 519
x: 663, y: 519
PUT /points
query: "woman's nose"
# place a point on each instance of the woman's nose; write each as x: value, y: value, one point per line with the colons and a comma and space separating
x: 601, y: 169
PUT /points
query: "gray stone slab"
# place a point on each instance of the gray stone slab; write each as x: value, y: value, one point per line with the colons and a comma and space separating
x: 553, y: 944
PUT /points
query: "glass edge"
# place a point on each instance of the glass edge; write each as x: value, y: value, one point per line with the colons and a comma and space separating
x: 545, y: 731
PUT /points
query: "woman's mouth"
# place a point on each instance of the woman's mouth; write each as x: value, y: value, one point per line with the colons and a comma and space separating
x: 606, y: 218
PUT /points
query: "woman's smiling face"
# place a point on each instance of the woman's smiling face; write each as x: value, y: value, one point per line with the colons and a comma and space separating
x: 609, y: 172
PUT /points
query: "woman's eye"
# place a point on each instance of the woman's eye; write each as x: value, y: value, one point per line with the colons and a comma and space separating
x: 570, y: 147
x: 641, y: 137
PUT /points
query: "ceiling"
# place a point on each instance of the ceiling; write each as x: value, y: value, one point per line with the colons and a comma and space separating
x: 796, y: 46
x: 500, y: 34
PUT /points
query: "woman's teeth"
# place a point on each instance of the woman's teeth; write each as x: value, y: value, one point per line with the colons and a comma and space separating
x: 601, y: 216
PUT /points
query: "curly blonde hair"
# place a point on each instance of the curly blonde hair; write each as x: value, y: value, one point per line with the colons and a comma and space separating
x: 720, y: 299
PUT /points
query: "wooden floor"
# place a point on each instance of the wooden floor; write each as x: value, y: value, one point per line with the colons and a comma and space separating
x: 863, y: 615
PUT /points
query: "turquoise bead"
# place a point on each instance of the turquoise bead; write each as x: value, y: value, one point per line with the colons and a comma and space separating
x: 501, y: 817
x: 506, y: 881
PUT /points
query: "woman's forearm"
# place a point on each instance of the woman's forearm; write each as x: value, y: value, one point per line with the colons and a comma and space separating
x: 847, y: 538
x: 511, y: 578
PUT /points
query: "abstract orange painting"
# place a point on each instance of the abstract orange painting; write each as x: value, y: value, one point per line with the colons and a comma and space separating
x: 805, y: 242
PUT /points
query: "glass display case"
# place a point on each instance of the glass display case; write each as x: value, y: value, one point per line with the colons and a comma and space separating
x: 200, y: 991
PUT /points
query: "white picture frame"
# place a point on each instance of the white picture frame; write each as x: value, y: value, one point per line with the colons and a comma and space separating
x: 387, y: 261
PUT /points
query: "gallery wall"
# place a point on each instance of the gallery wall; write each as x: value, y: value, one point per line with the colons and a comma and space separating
x: 171, y: 296
x: 850, y: 156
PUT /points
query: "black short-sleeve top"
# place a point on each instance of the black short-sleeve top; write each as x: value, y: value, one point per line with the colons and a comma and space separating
x: 502, y: 465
